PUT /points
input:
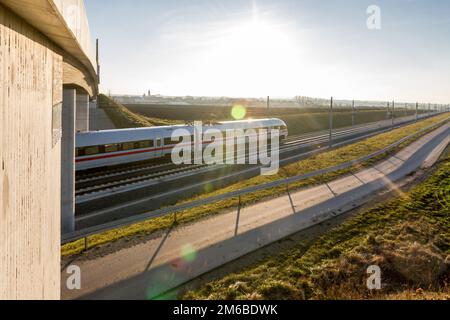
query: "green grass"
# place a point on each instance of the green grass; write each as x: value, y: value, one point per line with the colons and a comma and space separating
x: 124, y: 118
x: 317, y: 162
x: 298, y: 120
x: 408, y: 237
x: 309, y: 122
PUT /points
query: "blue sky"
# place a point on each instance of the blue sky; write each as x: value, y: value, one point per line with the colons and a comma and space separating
x: 283, y: 48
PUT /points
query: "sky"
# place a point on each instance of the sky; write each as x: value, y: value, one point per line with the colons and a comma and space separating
x: 278, y: 48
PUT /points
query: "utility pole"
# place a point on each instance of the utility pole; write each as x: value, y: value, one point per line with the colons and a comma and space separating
x: 417, y: 111
x: 353, y: 113
x: 393, y: 113
x: 388, y: 111
x: 331, y: 122
x: 268, y: 102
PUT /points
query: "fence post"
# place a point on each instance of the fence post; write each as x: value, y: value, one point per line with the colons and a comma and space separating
x: 353, y: 113
x: 417, y: 111
x: 393, y: 113
x: 331, y: 122
x: 388, y: 111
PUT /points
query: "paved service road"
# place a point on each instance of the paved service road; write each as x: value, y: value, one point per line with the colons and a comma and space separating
x: 151, y: 268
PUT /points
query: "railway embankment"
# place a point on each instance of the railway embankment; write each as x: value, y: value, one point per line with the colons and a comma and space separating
x: 123, y: 118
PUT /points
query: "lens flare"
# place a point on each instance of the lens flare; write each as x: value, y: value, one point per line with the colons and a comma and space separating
x: 238, y: 112
x: 188, y: 253
x: 208, y: 187
x: 158, y: 284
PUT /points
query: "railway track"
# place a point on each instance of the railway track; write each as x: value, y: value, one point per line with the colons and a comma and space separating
x: 114, y: 177
x: 130, y: 177
x: 98, y: 173
x: 126, y: 198
x: 91, y: 185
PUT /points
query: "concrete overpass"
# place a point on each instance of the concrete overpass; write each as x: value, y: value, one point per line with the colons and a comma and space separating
x: 48, y: 74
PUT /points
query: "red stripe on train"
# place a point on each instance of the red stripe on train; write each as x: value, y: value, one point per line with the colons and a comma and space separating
x: 109, y: 156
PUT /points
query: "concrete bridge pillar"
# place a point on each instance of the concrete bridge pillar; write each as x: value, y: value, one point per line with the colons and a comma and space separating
x: 82, y: 112
x: 93, y: 104
x: 70, y: 101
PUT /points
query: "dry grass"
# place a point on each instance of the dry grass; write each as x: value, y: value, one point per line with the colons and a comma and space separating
x: 409, y: 238
x: 124, y: 118
x: 299, y: 120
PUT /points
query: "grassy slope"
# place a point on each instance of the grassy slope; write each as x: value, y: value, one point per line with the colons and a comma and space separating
x: 124, y: 118
x: 304, y: 123
x: 409, y: 238
x: 320, y: 161
x: 299, y: 121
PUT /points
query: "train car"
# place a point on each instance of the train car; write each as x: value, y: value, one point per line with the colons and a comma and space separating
x: 114, y: 147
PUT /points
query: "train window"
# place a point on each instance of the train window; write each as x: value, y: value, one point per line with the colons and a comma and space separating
x: 81, y: 152
x: 111, y: 148
x: 158, y: 142
x: 89, y: 151
x: 77, y: 152
x: 168, y: 141
x: 187, y: 139
x: 127, y: 146
x: 145, y: 144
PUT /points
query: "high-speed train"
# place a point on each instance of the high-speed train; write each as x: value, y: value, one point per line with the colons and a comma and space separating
x: 114, y: 147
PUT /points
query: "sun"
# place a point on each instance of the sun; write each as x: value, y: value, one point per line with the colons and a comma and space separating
x: 251, y: 56
x: 257, y: 40
x: 255, y: 55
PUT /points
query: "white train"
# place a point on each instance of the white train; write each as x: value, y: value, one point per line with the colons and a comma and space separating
x: 114, y: 147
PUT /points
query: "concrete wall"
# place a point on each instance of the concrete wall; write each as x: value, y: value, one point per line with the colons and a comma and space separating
x: 82, y: 112
x: 68, y: 162
x: 30, y: 153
